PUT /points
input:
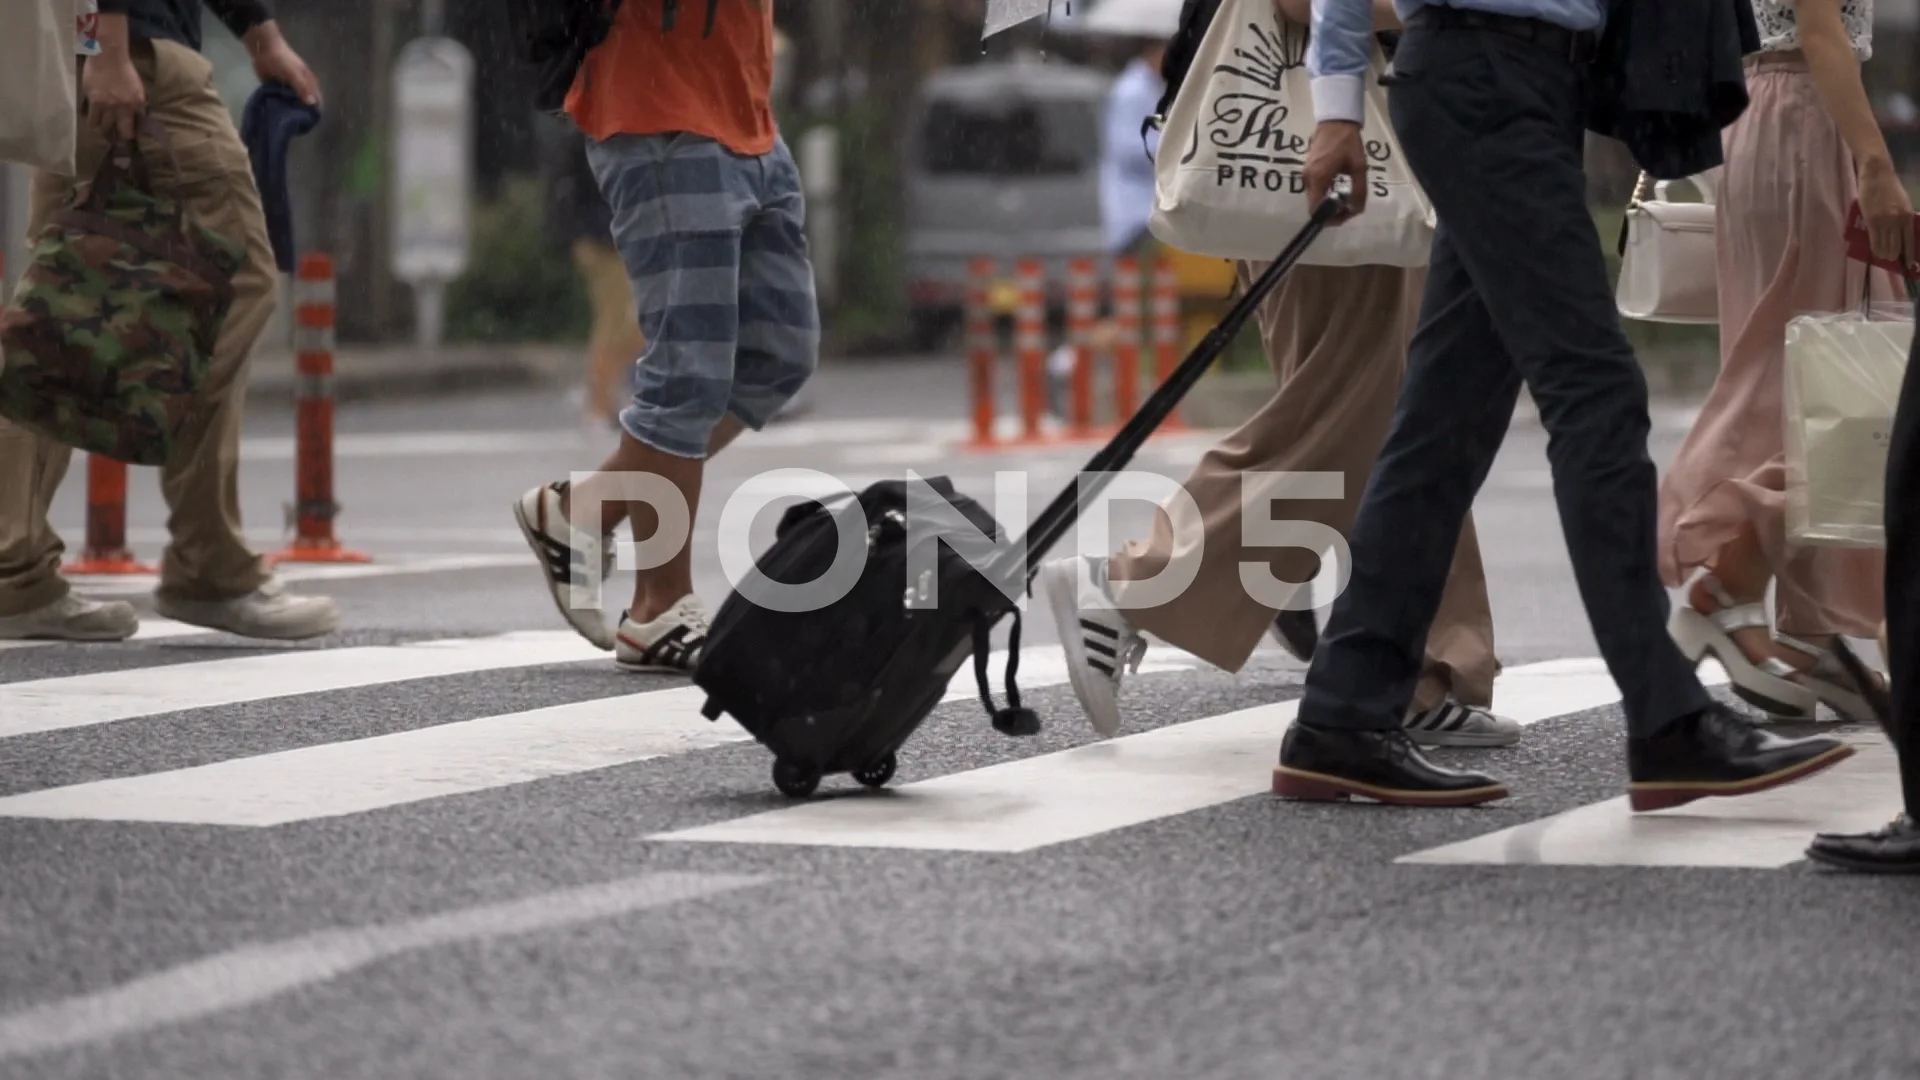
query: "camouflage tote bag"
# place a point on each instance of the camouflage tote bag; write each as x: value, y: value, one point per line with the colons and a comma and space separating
x: 110, y: 335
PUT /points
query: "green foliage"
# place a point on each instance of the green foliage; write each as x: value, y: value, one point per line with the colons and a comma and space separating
x: 520, y: 284
x: 873, y: 301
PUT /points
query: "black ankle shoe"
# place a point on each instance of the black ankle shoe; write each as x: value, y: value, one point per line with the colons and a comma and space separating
x: 1297, y: 633
x: 1892, y: 849
x: 1332, y: 764
x: 1718, y: 752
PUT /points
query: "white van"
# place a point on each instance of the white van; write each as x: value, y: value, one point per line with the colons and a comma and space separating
x: 1003, y: 160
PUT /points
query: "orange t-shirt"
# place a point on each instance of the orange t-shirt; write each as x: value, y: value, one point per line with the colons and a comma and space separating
x: 647, y: 80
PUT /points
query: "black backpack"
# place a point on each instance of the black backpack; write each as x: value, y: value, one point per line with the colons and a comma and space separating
x: 555, y: 37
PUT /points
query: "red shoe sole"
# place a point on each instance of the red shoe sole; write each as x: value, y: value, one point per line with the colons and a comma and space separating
x: 1665, y: 796
x: 1319, y: 787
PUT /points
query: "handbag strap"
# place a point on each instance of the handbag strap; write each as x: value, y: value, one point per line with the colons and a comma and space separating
x: 111, y: 174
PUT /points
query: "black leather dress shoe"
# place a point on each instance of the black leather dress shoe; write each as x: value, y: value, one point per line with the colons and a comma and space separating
x: 1894, y: 849
x: 1333, y: 764
x: 1719, y: 752
x: 1297, y: 633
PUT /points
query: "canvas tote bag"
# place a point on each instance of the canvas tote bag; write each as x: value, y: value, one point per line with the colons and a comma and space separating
x: 37, y: 84
x: 1843, y: 375
x: 1230, y: 180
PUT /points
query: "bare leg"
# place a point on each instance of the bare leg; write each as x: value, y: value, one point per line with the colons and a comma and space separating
x: 659, y: 588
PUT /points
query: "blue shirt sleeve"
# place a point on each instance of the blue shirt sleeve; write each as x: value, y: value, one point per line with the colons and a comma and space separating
x: 1338, y: 56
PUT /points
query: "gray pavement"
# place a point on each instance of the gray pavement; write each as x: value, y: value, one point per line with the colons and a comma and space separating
x: 389, y: 855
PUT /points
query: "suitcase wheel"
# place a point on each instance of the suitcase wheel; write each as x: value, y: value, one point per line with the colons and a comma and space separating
x: 794, y: 781
x: 878, y: 773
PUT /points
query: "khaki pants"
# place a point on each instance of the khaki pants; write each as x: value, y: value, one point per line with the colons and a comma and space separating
x: 1337, y: 338
x: 208, y: 558
x: 617, y: 341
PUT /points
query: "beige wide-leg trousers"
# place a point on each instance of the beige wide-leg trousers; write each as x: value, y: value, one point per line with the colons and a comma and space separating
x: 1337, y: 339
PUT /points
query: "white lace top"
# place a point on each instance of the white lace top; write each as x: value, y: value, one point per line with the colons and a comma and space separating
x: 1779, y: 34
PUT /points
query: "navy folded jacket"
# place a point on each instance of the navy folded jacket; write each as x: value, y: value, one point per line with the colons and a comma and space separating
x: 273, y: 117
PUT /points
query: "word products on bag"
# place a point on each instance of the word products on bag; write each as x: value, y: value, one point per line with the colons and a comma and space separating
x: 1230, y: 181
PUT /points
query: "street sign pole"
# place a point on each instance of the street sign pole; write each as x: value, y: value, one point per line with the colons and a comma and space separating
x: 433, y: 181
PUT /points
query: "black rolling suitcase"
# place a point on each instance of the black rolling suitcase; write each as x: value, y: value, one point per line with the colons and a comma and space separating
x: 840, y: 688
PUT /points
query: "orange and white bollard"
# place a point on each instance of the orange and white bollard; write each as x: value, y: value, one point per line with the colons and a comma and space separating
x: 314, y: 511
x: 983, y: 348
x: 1126, y: 351
x: 106, y: 551
x: 1083, y: 300
x: 1030, y: 340
x: 1166, y: 329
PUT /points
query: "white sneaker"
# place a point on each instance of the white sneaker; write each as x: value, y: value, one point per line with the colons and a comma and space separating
x: 72, y: 618
x: 670, y: 643
x: 267, y: 612
x: 1099, y: 643
x: 1453, y: 724
x: 565, y: 553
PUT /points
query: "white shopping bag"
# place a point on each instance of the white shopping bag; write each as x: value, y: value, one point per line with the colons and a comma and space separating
x: 1230, y: 179
x: 1843, y: 375
x: 38, y: 99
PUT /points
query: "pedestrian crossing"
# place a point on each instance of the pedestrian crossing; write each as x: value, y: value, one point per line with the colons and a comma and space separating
x: 332, y: 779
x: 1040, y: 801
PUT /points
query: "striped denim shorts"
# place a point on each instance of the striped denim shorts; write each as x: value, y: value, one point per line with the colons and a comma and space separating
x: 715, y: 246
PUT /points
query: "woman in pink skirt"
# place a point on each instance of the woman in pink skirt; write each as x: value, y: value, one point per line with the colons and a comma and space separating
x: 1805, y: 149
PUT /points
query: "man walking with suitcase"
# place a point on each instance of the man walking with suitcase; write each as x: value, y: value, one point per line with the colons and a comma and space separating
x: 709, y: 219
x: 146, y: 60
x: 1516, y: 290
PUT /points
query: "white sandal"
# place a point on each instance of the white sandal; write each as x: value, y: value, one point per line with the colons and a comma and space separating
x: 1769, y: 685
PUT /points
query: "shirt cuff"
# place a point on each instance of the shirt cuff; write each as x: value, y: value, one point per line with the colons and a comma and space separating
x: 1339, y: 97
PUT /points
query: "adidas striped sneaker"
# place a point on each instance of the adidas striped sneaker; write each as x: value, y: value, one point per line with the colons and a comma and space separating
x: 1098, y: 640
x: 669, y: 644
x: 1453, y: 724
x: 565, y: 553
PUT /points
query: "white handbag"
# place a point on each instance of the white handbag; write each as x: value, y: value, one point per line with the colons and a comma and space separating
x: 37, y: 83
x: 1842, y: 385
x: 1230, y: 177
x: 1667, y: 268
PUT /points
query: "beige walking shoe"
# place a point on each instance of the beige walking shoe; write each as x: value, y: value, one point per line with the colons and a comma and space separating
x: 267, y: 612
x: 72, y: 618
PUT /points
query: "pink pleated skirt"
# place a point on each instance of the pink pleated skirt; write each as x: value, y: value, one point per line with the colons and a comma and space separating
x: 1781, y: 242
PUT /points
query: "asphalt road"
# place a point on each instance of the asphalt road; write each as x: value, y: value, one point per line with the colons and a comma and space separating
x: 453, y: 841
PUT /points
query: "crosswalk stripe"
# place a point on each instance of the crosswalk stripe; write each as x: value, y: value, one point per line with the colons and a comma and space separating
x: 74, y: 701
x: 1096, y: 788
x: 333, y: 779
x: 1764, y: 831
x: 463, y: 757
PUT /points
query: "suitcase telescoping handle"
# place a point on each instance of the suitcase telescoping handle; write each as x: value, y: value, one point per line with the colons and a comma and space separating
x: 1059, y: 516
